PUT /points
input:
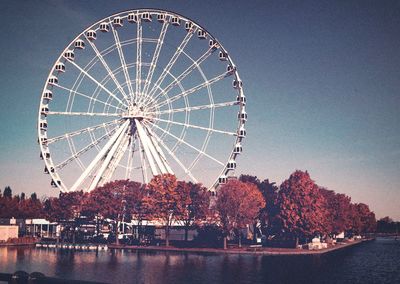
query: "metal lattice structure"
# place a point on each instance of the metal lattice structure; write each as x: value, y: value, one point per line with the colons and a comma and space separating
x: 141, y: 93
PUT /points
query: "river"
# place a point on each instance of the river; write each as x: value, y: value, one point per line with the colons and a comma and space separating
x: 372, y: 262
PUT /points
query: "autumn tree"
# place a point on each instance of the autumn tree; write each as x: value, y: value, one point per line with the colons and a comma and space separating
x: 238, y: 204
x: 302, y: 207
x: 363, y: 219
x: 269, y: 191
x: 108, y: 201
x: 165, y: 201
x: 197, y: 206
x: 339, y: 218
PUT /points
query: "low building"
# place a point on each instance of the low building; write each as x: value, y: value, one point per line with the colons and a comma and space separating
x: 8, y: 232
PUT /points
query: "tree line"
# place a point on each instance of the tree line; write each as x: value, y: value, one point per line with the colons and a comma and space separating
x: 297, y: 209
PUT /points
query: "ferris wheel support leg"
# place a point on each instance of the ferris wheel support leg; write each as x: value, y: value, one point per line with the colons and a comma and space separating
x: 159, y: 150
x: 109, y: 157
x: 143, y: 141
x: 99, y: 156
x: 151, y: 149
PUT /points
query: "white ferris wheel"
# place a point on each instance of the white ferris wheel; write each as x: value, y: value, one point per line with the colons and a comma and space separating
x: 137, y: 94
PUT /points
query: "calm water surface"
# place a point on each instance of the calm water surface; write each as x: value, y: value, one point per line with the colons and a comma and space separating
x: 373, y: 262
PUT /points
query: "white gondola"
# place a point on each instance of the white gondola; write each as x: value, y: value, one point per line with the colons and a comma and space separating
x: 91, y: 35
x: 230, y: 69
x: 213, y: 44
x: 188, y: 26
x: 43, y: 125
x: 176, y: 21
x: 48, y: 95
x: 69, y: 55
x: 53, y: 80
x: 42, y: 140
x: 104, y: 27
x: 223, y: 56
x: 54, y: 183
x: 161, y: 18
x: 222, y: 179
x: 60, y: 67
x: 201, y: 34
x: 231, y: 165
x: 46, y: 155
x: 117, y: 22
x: 46, y: 170
x: 133, y: 18
x: 237, y: 84
x: 146, y: 17
x: 241, y: 99
x: 238, y: 148
x: 242, y: 132
x: 44, y: 110
x: 242, y: 116
x: 79, y: 44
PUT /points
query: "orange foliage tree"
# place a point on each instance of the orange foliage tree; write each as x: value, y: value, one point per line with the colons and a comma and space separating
x: 238, y: 204
x: 165, y: 202
x: 196, y: 207
x: 302, y: 207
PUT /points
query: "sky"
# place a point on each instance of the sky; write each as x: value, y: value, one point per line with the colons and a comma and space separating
x: 322, y: 81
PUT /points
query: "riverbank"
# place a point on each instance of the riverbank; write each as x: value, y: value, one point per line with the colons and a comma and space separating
x: 245, y: 250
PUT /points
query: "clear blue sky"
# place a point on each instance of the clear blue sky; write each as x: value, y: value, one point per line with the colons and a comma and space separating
x: 322, y: 80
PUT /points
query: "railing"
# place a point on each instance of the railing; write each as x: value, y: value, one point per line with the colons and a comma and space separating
x: 20, y: 277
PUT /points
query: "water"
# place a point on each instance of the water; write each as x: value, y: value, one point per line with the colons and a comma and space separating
x: 373, y: 262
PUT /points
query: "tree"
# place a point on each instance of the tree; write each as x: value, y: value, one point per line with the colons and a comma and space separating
x: 108, y: 201
x: 7, y: 192
x: 34, y: 196
x: 165, y: 201
x: 302, y: 207
x: 197, y: 206
x: 238, y: 204
x: 339, y: 218
x: 363, y: 219
x: 269, y: 191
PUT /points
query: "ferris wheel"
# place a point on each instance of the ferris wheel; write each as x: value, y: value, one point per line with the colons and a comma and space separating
x: 137, y: 94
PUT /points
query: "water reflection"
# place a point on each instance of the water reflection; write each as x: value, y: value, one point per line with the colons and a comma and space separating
x: 376, y: 262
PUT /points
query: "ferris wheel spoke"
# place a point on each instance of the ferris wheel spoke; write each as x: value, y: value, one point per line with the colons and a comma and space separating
x: 185, y: 73
x: 171, y: 62
x: 86, y: 96
x: 81, y: 131
x: 193, y: 126
x: 72, y: 113
x: 172, y: 155
x: 154, y: 60
x: 193, y: 108
x: 85, y: 149
x: 95, y: 81
x: 122, y: 59
x: 110, y: 73
x: 138, y: 59
x: 180, y: 140
x: 196, y: 88
x: 100, y: 156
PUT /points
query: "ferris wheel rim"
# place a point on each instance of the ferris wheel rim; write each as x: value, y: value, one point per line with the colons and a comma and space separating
x: 238, y: 139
